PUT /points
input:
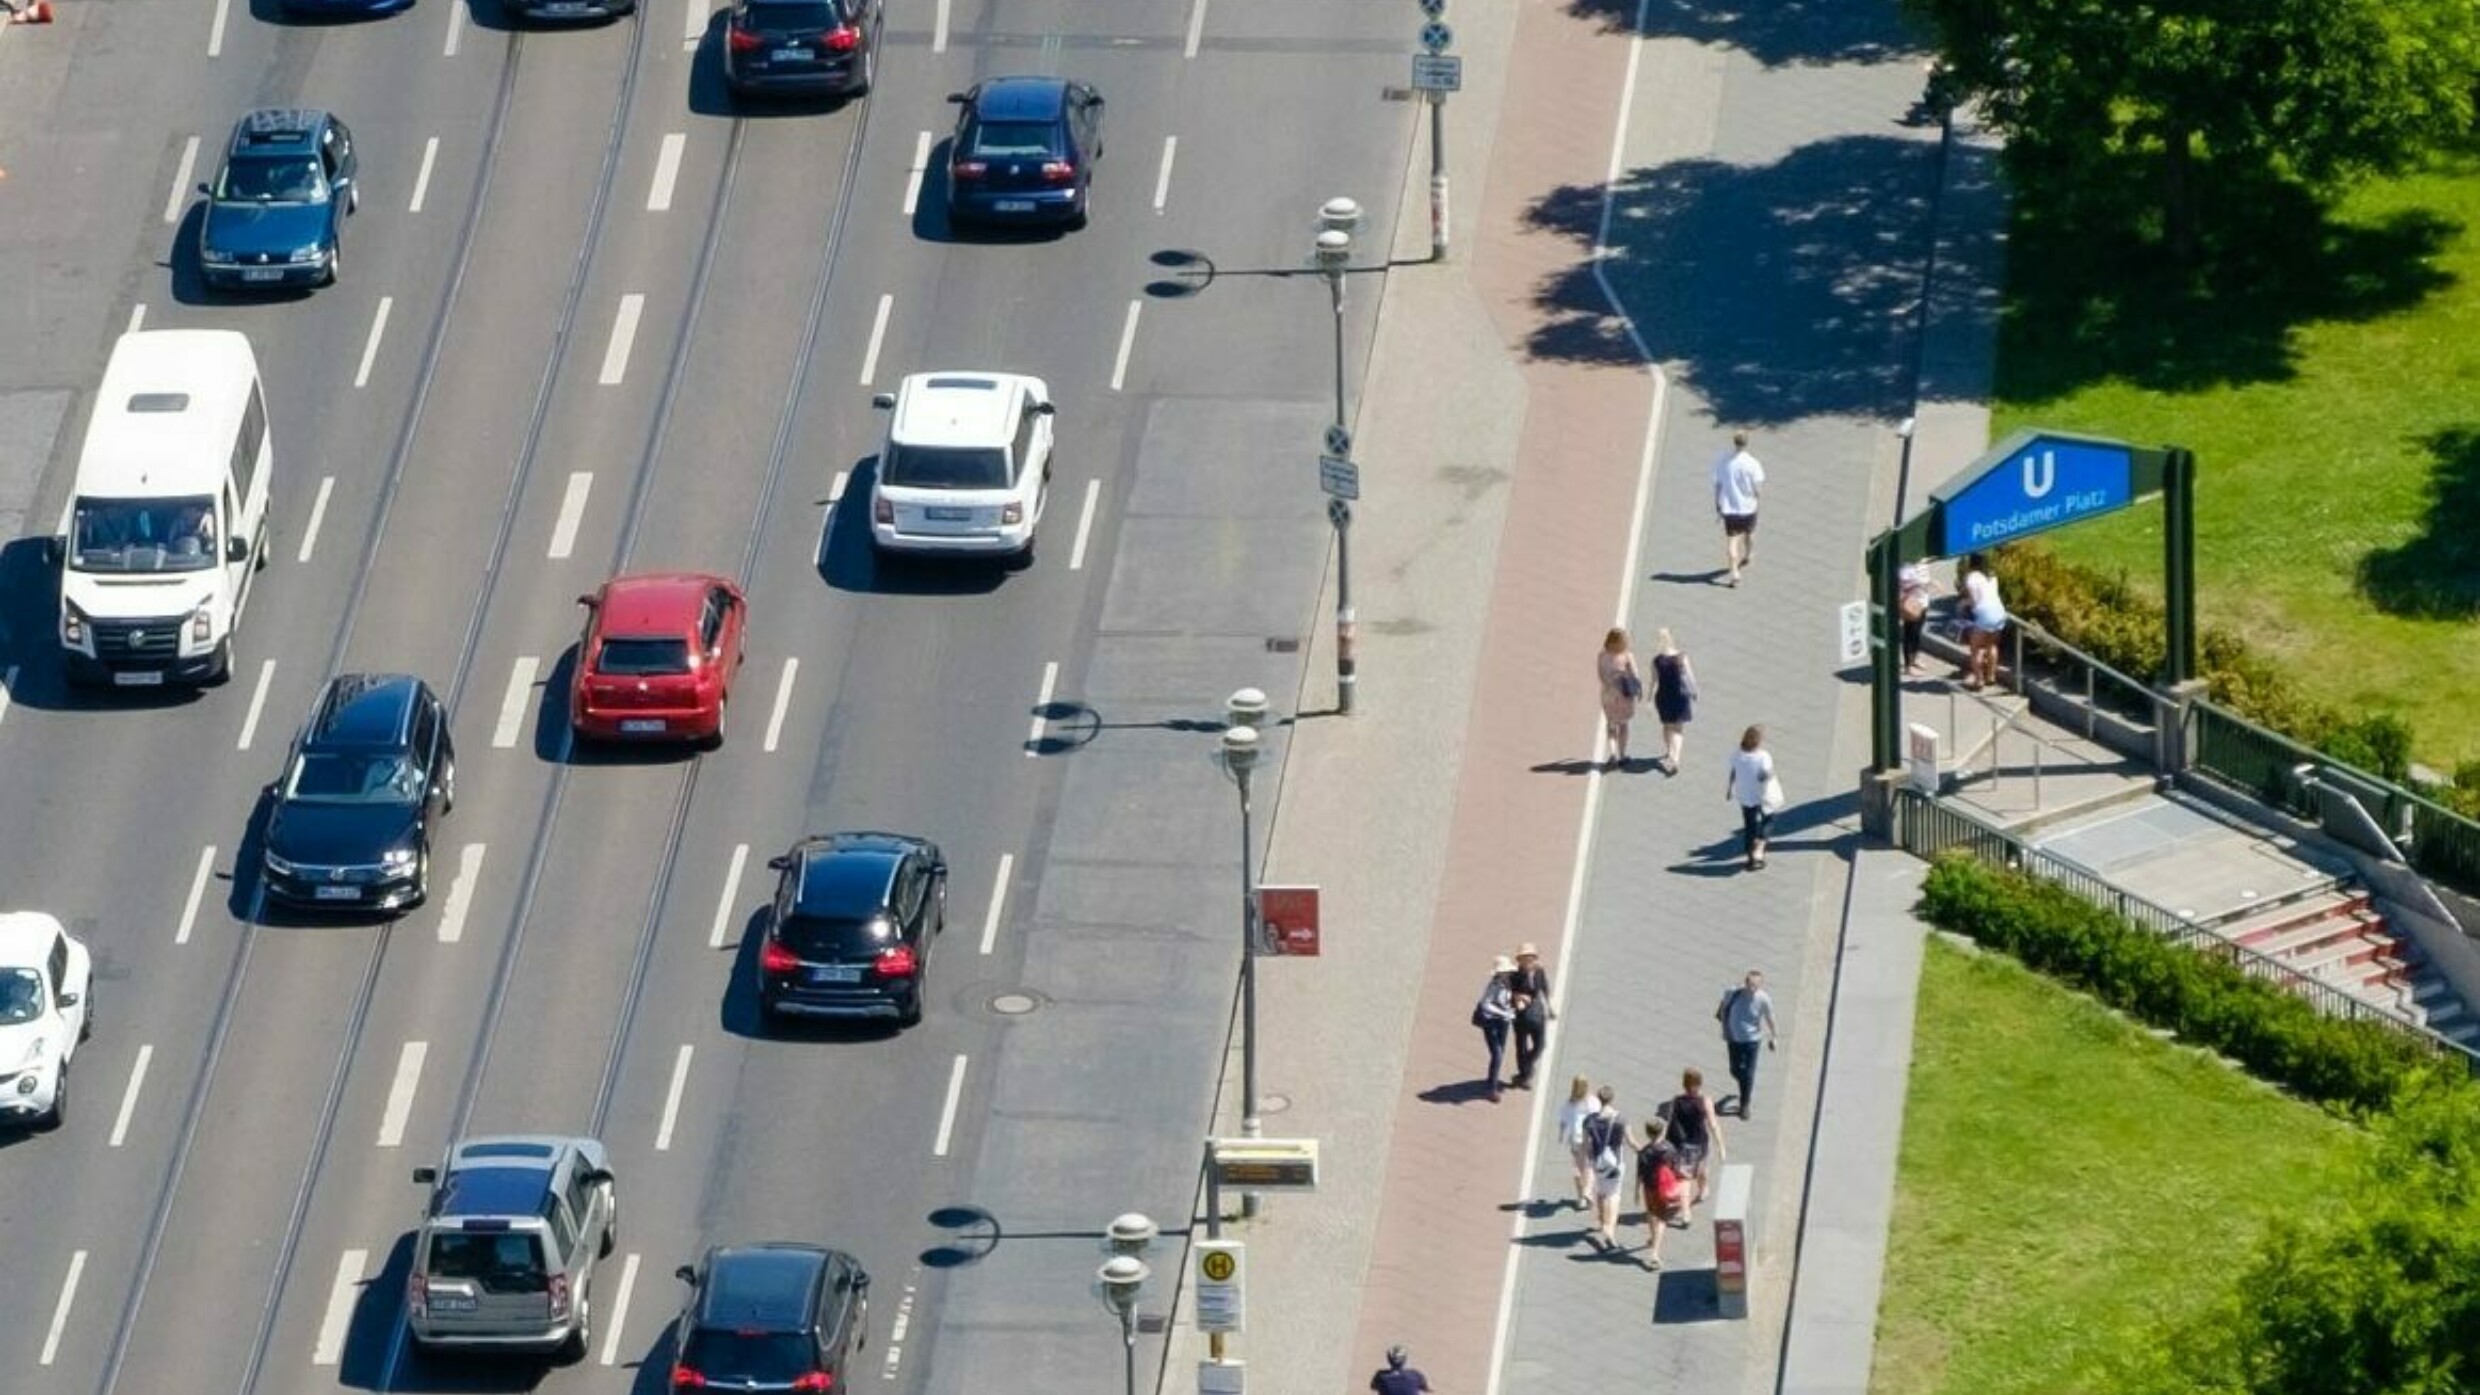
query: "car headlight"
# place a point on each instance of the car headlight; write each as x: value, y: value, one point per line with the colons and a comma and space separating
x: 308, y: 255
x: 279, y: 866
x: 399, y: 859
x: 215, y: 256
x: 26, y: 1083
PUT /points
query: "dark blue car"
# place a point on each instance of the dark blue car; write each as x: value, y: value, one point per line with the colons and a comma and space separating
x: 340, y: 9
x: 275, y: 213
x: 1024, y: 151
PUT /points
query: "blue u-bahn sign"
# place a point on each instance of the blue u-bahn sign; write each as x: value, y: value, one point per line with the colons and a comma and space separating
x: 2037, y: 483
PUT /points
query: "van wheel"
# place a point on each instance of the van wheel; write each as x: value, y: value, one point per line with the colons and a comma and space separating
x: 223, y: 664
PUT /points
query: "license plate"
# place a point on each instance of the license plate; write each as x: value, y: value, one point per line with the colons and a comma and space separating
x: 948, y: 515
x: 1014, y: 205
x: 835, y: 973
x: 139, y: 678
x: 337, y: 893
x: 450, y: 1303
x: 262, y: 273
x: 559, y: 7
x: 641, y: 724
x: 790, y: 55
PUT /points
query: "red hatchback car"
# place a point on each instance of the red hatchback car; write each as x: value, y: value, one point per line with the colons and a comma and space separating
x: 658, y: 657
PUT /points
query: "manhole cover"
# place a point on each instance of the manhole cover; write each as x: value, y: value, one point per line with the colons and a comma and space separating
x: 1273, y: 1104
x: 1013, y: 1004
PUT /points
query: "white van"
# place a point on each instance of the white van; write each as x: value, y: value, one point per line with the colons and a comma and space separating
x: 168, y: 520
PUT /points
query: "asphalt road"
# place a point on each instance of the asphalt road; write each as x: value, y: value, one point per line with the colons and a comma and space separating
x: 593, y: 318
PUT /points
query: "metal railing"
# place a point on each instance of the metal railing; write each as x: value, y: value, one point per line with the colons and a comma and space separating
x: 1927, y: 828
x: 2092, y: 684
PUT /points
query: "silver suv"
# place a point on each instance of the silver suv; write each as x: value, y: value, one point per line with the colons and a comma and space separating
x: 504, y: 1258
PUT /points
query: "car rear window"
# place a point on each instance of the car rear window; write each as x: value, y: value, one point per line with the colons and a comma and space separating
x: 822, y: 937
x: 501, y: 1262
x: 759, y: 1358
x: 944, y: 467
x: 792, y: 16
x: 1004, y: 138
x: 637, y: 656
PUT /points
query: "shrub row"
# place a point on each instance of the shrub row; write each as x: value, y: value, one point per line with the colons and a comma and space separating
x: 2358, y: 1065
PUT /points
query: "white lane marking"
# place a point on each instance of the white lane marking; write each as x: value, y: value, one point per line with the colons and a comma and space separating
x: 618, y: 1317
x: 572, y: 512
x: 422, y: 176
x: 1162, y: 179
x: 318, y: 515
x: 878, y: 334
x: 1127, y: 341
x: 456, y: 27
x: 693, y: 25
x: 197, y: 893
x: 461, y: 893
x: 1084, y: 525
x: 666, y: 172
x: 129, y: 1094
x: 370, y: 347
x: 258, y: 704
x: 1196, y: 29
x: 912, y: 178
x: 938, y: 29
x: 623, y: 334
x: 671, y: 1100
x: 180, y: 183
x: 725, y: 903
x: 947, y: 1112
x: 783, y: 703
x: 137, y: 317
x: 1587, y: 823
x: 8, y: 686
x: 998, y: 899
x: 513, y: 703
x: 215, y: 35
x: 400, y: 1093
x: 340, y: 1297
x: 1041, y: 709
x: 60, y: 1310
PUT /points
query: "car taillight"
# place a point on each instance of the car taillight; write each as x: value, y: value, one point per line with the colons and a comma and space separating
x: 815, y: 1380
x: 881, y: 509
x: 841, y: 39
x: 741, y: 41
x: 968, y: 169
x: 1058, y: 171
x: 775, y: 959
x: 559, y: 1295
x: 684, y: 1378
x: 418, y: 1294
x: 898, y: 961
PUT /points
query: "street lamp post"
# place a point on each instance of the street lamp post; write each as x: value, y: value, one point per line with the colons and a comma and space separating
x: 1123, y: 1276
x: 1242, y: 712
x: 1337, y: 219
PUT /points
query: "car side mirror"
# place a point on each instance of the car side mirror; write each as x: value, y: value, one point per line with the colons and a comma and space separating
x: 938, y: 869
x: 426, y: 1176
x: 586, y: 601
x: 778, y: 864
x: 236, y: 549
x: 861, y: 1283
x: 958, y: 98
x: 1043, y: 409
x: 882, y: 400
x: 68, y: 1000
x: 207, y: 189
x: 598, y: 1176
x: 686, y: 1273
x: 1094, y: 101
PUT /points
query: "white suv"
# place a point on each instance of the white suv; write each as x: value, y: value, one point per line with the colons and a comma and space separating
x: 966, y: 467
x: 46, y: 982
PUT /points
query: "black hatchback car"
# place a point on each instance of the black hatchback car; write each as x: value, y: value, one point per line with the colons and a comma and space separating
x: 849, y: 935
x: 370, y: 772
x: 275, y: 213
x: 812, y: 48
x: 1024, y: 151
x: 773, y: 1316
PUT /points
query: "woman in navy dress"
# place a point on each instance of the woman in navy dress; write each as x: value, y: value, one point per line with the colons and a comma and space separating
x: 1674, y: 698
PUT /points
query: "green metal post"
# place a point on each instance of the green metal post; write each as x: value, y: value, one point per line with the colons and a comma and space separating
x: 1886, y: 653
x: 2179, y: 563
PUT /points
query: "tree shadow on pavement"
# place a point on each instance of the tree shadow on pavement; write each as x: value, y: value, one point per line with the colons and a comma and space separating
x: 1774, y: 32
x: 2436, y: 574
x: 1778, y: 291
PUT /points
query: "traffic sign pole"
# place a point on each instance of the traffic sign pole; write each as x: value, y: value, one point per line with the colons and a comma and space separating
x: 1435, y: 38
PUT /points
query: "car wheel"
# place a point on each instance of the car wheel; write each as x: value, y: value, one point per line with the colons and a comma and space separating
x: 86, y: 1024
x: 714, y: 742
x: 911, y: 1017
x: 769, y: 1020
x: 869, y: 69
x: 573, y: 1348
x: 266, y: 546
x: 421, y: 880
x: 352, y: 200
x: 60, y: 1104
x: 447, y: 791
x: 335, y: 266
x: 611, y: 1228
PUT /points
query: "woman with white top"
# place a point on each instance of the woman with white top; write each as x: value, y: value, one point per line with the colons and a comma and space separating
x: 1753, y: 787
x: 1984, y: 621
x: 1580, y: 1106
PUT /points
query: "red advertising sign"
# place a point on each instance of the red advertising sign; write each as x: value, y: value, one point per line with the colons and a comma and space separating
x: 1287, y: 918
x: 1730, y: 1256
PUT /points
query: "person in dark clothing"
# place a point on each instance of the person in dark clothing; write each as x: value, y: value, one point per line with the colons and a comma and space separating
x: 1399, y: 1377
x: 1694, y: 1130
x: 1494, y: 1014
x: 1531, y: 998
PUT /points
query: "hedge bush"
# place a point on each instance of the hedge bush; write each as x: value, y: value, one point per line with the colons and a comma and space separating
x: 2357, y: 1065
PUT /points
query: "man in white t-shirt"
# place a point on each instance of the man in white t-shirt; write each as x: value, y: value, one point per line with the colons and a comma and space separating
x: 1738, y: 480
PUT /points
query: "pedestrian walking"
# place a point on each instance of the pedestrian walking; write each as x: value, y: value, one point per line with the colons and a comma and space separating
x: 1752, y: 785
x: 1399, y: 1377
x: 1530, y: 996
x: 1738, y: 480
x: 1580, y: 1106
x: 1623, y: 689
x: 1605, y: 1132
x: 1674, y: 697
x: 1661, y: 1188
x: 1919, y: 584
x: 1747, y: 1017
x: 1494, y: 1014
x: 1984, y: 622
x: 1695, y: 1130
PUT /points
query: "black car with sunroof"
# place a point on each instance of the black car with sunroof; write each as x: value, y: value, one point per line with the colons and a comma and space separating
x: 849, y: 933
x: 806, y: 48
x: 349, y: 822
x: 1024, y: 151
x: 770, y: 1317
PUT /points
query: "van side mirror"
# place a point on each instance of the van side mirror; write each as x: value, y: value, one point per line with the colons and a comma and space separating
x: 426, y: 1176
x: 236, y: 549
x: 882, y: 400
x: 1043, y: 409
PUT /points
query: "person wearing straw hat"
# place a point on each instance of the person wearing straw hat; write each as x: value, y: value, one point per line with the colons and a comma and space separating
x: 1495, y: 1014
x: 1530, y: 989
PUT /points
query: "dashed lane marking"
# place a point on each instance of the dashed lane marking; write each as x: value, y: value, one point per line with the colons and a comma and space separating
x: 725, y: 903
x: 998, y: 900
x: 400, y: 1093
x: 129, y: 1094
x: 513, y: 703
x: 197, y: 894
x: 318, y: 515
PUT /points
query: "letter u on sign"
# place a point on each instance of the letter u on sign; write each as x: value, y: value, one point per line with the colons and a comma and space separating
x: 2040, y: 474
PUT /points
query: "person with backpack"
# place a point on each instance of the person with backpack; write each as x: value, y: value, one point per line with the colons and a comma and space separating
x: 1494, y: 1014
x: 1662, y: 1188
x: 1694, y: 1131
x: 1747, y: 1017
x: 1606, y: 1133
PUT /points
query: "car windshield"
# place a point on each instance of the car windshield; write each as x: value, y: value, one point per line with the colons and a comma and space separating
x: 792, y: 16
x: 272, y: 179
x: 758, y: 1358
x: 143, y: 535
x: 1003, y: 139
x: 21, y: 996
x: 500, y: 1261
x: 641, y: 655
x: 836, y: 937
x: 944, y: 467
x: 353, y: 777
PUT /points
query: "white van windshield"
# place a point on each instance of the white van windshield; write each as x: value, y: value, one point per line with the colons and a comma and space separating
x: 144, y: 535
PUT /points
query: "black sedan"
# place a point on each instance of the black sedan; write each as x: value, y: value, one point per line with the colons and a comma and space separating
x: 810, y: 48
x: 851, y: 928
x: 1024, y: 151
x: 370, y: 772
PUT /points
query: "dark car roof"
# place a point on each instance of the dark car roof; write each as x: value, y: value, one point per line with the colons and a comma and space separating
x: 277, y: 128
x: 654, y: 603
x: 1021, y: 98
x: 363, y: 711
x: 770, y: 1287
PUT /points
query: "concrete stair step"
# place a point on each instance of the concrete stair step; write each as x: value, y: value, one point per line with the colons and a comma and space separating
x: 2261, y: 926
x: 2314, y: 939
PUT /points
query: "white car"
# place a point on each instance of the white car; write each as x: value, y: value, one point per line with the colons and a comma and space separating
x: 45, y: 1011
x: 966, y: 467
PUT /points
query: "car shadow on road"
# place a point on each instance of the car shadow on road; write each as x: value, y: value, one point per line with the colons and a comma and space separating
x: 847, y: 561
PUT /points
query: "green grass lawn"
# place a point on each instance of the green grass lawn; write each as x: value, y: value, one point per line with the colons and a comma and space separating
x: 2331, y: 391
x: 2067, y: 1178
